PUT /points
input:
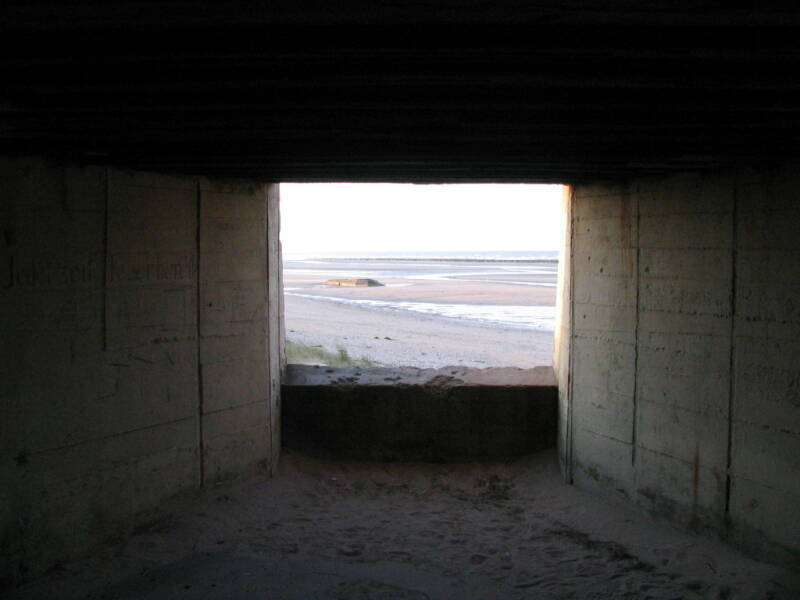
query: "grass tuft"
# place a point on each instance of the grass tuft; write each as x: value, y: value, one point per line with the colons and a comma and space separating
x: 300, y: 354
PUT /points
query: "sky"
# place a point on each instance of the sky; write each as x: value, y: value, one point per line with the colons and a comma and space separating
x: 386, y: 217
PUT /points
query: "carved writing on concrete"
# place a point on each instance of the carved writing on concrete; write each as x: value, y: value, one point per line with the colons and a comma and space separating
x: 68, y: 272
x: 151, y: 268
x: 55, y: 272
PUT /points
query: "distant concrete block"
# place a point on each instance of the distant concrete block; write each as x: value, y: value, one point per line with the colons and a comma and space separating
x: 354, y: 282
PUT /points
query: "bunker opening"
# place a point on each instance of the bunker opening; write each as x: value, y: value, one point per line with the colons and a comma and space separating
x: 426, y: 276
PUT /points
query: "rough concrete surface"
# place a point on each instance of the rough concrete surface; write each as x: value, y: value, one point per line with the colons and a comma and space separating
x: 406, y: 414
x: 315, y: 375
x: 354, y: 282
x: 125, y: 377
x: 683, y: 351
x: 141, y: 336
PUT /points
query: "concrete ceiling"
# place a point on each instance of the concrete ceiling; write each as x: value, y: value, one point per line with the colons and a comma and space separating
x: 408, y: 91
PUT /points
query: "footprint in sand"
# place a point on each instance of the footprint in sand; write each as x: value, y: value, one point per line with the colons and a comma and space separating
x: 369, y: 589
x: 478, y: 559
x: 351, y: 550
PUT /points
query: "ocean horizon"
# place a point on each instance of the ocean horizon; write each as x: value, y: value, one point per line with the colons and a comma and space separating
x: 440, y: 255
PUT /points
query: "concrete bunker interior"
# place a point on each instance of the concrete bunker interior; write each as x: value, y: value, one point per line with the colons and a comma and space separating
x: 140, y: 314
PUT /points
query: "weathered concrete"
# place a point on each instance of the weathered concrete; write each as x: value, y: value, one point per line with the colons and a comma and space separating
x: 682, y: 389
x: 354, y: 282
x: 125, y: 378
x: 419, y: 414
x: 141, y: 346
x: 561, y: 341
x: 234, y: 365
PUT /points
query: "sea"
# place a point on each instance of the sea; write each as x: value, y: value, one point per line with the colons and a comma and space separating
x: 467, y: 255
x: 514, y: 268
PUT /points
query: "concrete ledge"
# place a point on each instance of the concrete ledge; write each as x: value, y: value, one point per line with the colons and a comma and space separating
x: 408, y: 414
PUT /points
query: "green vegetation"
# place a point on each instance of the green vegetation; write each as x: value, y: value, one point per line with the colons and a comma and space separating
x: 300, y: 354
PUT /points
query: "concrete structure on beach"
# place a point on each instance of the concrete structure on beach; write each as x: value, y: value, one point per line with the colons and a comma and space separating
x: 140, y: 284
x: 354, y: 282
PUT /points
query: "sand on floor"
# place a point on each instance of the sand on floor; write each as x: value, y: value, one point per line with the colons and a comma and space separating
x: 325, y: 529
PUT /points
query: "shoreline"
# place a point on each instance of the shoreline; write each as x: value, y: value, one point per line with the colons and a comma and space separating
x: 397, y: 339
x: 427, y: 313
x: 288, y: 261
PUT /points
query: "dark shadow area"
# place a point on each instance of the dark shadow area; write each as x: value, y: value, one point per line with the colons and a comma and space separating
x: 352, y: 530
x: 409, y: 414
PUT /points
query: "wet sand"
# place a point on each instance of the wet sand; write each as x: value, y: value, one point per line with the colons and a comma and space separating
x: 331, y: 317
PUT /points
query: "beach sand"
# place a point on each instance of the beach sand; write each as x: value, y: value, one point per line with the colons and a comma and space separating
x: 325, y: 529
x: 407, y: 338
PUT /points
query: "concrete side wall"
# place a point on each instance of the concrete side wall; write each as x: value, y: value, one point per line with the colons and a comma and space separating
x: 765, y: 406
x: 562, y: 337
x: 234, y: 369
x: 684, y: 346
x: 603, y: 353
x: 125, y: 378
x: 276, y: 334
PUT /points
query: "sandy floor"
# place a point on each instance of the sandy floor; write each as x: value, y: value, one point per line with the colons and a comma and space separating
x: 356, y: 531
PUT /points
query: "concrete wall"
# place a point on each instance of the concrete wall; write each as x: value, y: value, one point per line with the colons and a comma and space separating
x: 125, y: 378
x: 409, y: 414
x: 683, y: 388
x: 562, y: 337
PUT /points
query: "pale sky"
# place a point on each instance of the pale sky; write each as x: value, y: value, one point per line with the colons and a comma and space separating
x: 385, y: 217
